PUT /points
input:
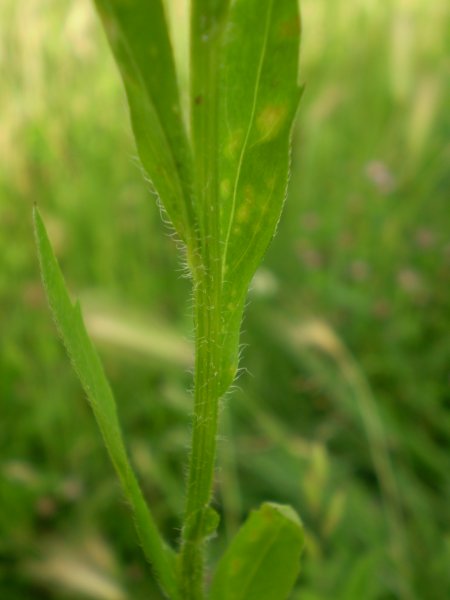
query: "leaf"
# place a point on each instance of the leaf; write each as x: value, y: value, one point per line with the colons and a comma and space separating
x: 208, y: 19
x: 138, y: 35
x: 259, y: 98
x: 88, y: 367
x: 263, y: 560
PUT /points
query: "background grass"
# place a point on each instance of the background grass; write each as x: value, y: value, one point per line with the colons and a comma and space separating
x: 342, y: 408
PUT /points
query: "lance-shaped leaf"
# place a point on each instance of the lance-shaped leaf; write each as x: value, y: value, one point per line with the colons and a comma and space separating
x: 89, y: 369
x: 138, y: 35
x: 263, y: 560
x: 259, y: 98
x: 208, y: 19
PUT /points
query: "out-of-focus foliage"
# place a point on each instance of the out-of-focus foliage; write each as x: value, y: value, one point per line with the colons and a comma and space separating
x: 344, y: 412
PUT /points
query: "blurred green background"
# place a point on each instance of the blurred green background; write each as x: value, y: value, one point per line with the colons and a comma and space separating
x: 342, y: 406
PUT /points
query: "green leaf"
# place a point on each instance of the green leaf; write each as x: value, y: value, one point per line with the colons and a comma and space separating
x: 263, y: 560
x: 91, y: 374
x: 259, y: 98
x: 208, y: 19
x: 138, y: 35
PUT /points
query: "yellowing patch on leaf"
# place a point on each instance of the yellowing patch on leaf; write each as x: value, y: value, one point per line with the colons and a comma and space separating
x: 234, y: 143
x: 225, y: 188
x: 243, y: 213
x: 270, y: 121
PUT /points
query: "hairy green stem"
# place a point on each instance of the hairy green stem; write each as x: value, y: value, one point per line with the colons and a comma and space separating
x: 206, y: 20
x: 203, y: 452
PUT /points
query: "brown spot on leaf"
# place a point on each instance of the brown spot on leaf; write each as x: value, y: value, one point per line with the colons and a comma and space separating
x: 290, y: 28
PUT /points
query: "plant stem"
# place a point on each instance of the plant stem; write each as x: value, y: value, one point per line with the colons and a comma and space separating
x: 203, y: 452
x: 206, y: 19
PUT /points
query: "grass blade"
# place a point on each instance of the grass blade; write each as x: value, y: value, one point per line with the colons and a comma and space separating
x: 263, y: 560
x: 93, y: 379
